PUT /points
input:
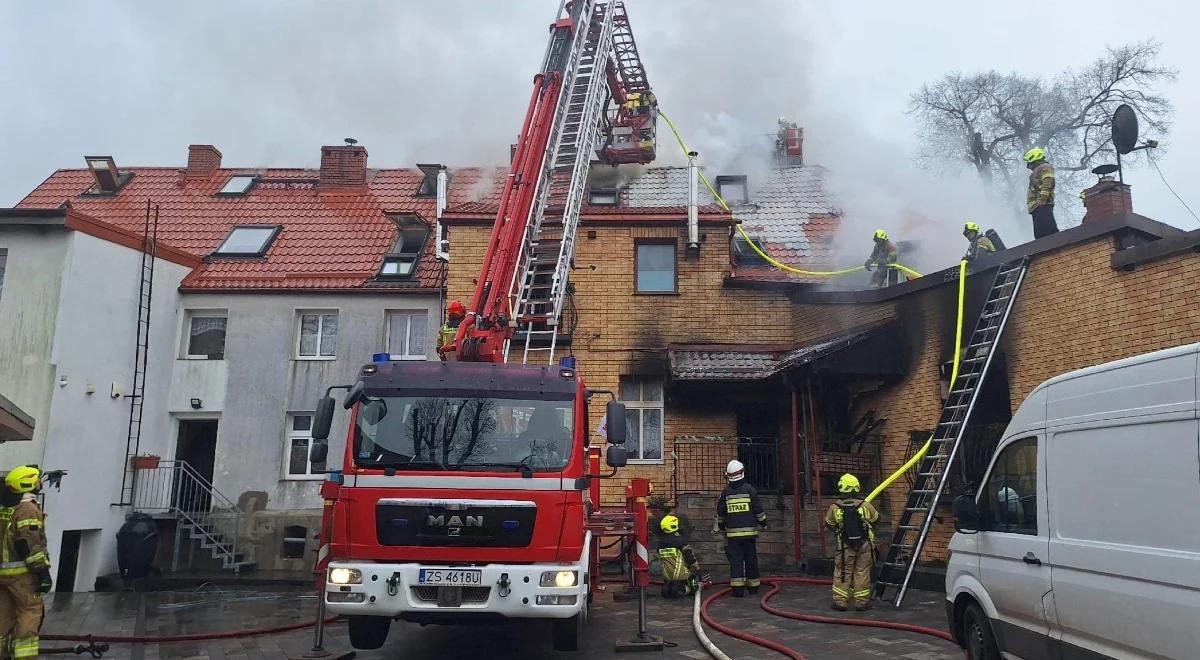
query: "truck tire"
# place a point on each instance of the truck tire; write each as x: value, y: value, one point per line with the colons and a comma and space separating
x: 567, y: 632
x: 368, y: 632
x: 977, y: 635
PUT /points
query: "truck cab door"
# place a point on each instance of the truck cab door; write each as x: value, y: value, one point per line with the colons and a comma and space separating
x: 1013, y: 546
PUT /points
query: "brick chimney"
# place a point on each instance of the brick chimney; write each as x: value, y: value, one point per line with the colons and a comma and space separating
x: 343, y: 166
x: 1106, y: 198
x: 203, y: 160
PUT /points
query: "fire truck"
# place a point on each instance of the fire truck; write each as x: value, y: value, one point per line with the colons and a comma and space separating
x: 468, y: 489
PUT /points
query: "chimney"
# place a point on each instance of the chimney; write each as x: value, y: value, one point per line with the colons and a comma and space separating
x: 343, y: 166
x: 1106, y: 198
x: 203, y: 160
x: 693, y: 221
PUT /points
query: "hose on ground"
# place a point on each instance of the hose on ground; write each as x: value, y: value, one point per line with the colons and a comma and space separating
x: 712, y: 649
x: 189, y: 637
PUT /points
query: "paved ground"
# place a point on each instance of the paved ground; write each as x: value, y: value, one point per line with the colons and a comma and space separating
x: 212, y: 609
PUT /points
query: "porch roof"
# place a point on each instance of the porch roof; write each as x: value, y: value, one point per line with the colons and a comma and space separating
x: 806, y: 354
x: 15, y: 424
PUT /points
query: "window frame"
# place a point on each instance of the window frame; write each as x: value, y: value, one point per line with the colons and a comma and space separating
x: 736, y: 180
x: 290, y: 434
x: 637, y: 244
x: 640, y: 406
x: 262, y: 252
x: 990, y: 523
x: 221, y: 192
x: 606, y: 193
x: 387, y: 333
x: 299, y: 332
x: 202, y: 313
x: 402, y: 223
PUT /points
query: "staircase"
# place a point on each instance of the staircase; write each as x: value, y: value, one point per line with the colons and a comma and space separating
x: 175, y: 490
x: 932, y: 471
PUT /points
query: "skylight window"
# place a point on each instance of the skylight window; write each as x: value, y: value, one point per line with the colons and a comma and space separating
x: 238, y: 184
x: 733, y: 189
x: 602, y: 197
x: 107, y: 180
x: 401, y: 262
x: 245, y: 241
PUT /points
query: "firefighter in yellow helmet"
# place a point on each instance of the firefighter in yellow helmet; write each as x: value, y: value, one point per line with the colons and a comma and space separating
x: 680, y: 568
x: 1039, y: 199
x: 882, y: 255
x: 24, y: 564
x: 852, y: 520
x: 740, y: 514
x: 979, y: 244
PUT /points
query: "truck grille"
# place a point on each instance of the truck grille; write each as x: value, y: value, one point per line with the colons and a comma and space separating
x: 447, y: 523
x: 469, y: 594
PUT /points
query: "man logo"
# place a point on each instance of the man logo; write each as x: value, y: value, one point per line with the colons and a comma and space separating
x: 454, y: 521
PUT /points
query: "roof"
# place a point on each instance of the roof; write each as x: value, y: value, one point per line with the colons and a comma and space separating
x: 15, y: 424
x: 330, y: 239
x: 732, y: 362
x: 817, y: 350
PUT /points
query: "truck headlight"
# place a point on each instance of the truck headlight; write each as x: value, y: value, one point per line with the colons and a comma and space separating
x: 559, y: 579
x: 345, y: 576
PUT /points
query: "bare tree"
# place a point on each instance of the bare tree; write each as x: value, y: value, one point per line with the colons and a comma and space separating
x: 990, y: 119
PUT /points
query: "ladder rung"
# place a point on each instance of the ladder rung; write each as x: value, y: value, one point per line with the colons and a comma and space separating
x: 916, y: 509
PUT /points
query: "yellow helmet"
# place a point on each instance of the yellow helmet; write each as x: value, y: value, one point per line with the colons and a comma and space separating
x: 669, y: 524
x: 880, y: 235
x: 971, y: 226
x: 849, y: 484
x: 1035, y: 154
x: 23, y: 479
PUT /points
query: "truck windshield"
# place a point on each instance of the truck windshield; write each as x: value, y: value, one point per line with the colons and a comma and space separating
x: 449, y: 433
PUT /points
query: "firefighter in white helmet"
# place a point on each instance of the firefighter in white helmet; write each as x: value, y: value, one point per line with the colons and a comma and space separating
x: 740, y: 515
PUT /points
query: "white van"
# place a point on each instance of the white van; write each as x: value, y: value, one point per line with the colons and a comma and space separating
x: 1084, y: 540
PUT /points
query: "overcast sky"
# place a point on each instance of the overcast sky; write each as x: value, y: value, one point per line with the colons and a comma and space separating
x: 447, y: 81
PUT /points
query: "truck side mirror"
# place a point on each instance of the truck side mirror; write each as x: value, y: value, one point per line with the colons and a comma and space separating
x: 966, y: 514
x: 616, y: 457
x: 353, y: 395
x: 319, y: 452
x: 323, y: 418
x: 614, y: 414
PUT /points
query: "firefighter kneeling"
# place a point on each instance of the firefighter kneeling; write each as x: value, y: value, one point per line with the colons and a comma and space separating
x: 852, y: 520
x: 24, y: 566
x: 740, y: 514
x: 680, y: 568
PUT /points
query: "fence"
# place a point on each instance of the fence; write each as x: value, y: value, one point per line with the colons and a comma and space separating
x: 699, y: 463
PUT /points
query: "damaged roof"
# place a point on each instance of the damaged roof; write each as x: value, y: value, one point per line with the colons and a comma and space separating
x: 734, y: 362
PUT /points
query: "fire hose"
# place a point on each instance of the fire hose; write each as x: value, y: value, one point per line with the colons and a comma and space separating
x: 701, y: 611
x: 189, y: 637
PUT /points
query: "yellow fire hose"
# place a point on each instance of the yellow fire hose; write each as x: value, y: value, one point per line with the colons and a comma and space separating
x: 766, y: 257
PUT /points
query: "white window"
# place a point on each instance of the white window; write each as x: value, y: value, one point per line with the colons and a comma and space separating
x: 248, y: 241
x: 205, y: 334
x: 317, y: 336
x: 407, y: 335
x: 643, y: 398
x: 296, y: 448
x: 238, y: 184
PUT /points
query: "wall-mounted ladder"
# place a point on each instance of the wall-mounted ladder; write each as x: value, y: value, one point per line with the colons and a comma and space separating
x: 932, y: 471
x: 133, y: 438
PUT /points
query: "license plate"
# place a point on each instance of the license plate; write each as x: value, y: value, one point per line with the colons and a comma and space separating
x: 444, y: 577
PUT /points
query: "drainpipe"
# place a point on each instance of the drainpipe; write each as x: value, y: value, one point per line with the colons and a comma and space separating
x: 693, y: 220
x: 442, y: 247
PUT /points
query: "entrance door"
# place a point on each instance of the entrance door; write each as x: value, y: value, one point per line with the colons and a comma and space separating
x: 197, y: 446
x: 758, y: 444
x: 68, y: 560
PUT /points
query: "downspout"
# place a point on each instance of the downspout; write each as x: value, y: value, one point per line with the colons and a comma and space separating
x: 442, y: 246
x: 693, y: 220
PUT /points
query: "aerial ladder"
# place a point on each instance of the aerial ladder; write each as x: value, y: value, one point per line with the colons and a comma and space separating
x: 591, y: 59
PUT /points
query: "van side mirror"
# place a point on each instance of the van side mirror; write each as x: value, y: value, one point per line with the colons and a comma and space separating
x: 966, y: 514
x: 614, y: 415
x: 319, y: 452
x: 616, y: 457
x: 323, y: 418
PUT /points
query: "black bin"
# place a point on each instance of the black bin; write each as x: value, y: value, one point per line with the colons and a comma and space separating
x: 137, y: 542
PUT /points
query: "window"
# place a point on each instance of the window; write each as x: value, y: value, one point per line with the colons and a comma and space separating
x: 317, y: 338
x: 603, y: 197
x: 406, y: 335
x: 299, y: 439
x: 401, y: 262
x: 3, y: 264
x: 1011, y: 490
x: 107, y: 179
x: 733, y: 189
x: 643, y: 398
x: 655, y: 268
x: 206, y: 334
x: 745, y: 254
x: 247, y: 241
x: 238, y: 184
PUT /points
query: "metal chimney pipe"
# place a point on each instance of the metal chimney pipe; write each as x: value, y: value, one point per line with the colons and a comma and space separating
x: 442, y: 247
x: 693, y: 220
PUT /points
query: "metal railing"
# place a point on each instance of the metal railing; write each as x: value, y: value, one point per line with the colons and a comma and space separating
x: 176, y: 489
x: 699, y: 463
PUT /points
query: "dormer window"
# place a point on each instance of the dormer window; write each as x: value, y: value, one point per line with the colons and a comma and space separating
x: 238, y: 184
x: 429, y: 179
x: 104, y: 172
x: 402, y: 261
x: 745, y: 255
x: 602, y: 197
x: 733, y: 189
x: 248, y: 241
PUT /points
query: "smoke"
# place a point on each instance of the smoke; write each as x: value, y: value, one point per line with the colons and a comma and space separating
x: 483, y: 187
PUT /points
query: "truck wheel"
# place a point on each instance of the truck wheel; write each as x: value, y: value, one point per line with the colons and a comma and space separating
x: 977, y: 633
x: 567, y: 632
x: 368, y: 632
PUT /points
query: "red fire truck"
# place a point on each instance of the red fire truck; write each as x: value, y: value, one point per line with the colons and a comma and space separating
x: 468, y: 489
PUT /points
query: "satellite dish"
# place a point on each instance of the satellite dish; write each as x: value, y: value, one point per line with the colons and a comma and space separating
x: 1124, y: 129
x: 1101, y: 170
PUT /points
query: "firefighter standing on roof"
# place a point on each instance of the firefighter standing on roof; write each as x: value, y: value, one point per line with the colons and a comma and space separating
x: 979, y: 245
x: 24, y: 566
x: 740, y: 515
x: 852, y: 520
x: 881, y: 257
x: 1039, y: 199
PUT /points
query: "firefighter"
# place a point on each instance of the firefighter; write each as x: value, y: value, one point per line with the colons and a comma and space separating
x: 24, y: 566
x: 882, y: 256
x: 781, y: 134
x: 680, y: 568
x: 740, y: 515
x: 633, y: 101
x: 1039, y: 199
x: 852, y: 520
x: 455, y: 313
x: 977, y: 241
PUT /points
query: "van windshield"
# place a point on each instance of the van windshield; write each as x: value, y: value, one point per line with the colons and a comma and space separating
x: 462, y: 433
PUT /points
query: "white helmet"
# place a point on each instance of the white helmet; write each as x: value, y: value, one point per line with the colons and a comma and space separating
x: 735, y: 470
